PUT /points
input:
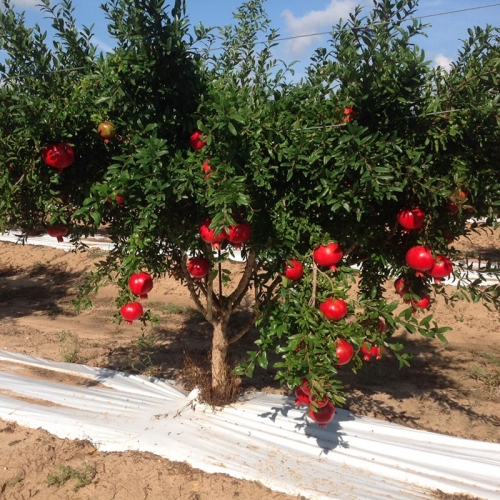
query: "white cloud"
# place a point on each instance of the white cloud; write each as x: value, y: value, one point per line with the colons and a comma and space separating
x: 24, y: 3
x: 313, y: 22
x: 443, y: 61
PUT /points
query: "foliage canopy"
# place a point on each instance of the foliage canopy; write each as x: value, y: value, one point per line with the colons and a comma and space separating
x: 370, y: 130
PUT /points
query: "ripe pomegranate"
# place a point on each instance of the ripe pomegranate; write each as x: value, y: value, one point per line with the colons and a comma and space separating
x: 58, y: 231
x: 196, y: 141
x: 131, y: 312
x: 302, y: 397
x: 198, y: 267
x: 401, y: 287
x: 323, y: 415
x: 140, y: 284
x: 348, y: 114
x: 419, y: 258
x: 442, y: 268
x: 208, y: 235
x: 423, y: 302
x: 239, y: 234
x: 293, y: 269
x: 334, y: 309
x: 306, y: 390
x: 58, y: 156
x: 119, y: 199
x: 371, y: 352
x: 457, y: 199
x: 344, y: 352
x: 328, y: 255
x: 305, y: 387
x: 411, y: 218
x: 106, y: 130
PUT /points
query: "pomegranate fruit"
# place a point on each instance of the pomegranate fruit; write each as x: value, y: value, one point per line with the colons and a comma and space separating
x: 293, y: 269
x: 140, y: 284
x: 106, y: 130
x: 323, y: 415
x: 206, y: 167
x: 239, y: 234
x: 58, y: 231
x: 401, y: 287
x: 306, y: 390
x: 419, y: 258
x: 334, y: 309
x: 411, y: 218
x: 58, y: 156
x: 302, y: 397
x: 373, y: 351
x: 457, y: 199
x: 344, y: 352
x: 208, y: 235
x: 198, y: 267
x: 196, y: 141
x: 442, y: 268
x: 131, y: 312
x: 423, y: 302
x: 348, y: 114
x: 328, y: 255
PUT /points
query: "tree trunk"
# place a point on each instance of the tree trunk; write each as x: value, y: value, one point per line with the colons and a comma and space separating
x: 220, y: 344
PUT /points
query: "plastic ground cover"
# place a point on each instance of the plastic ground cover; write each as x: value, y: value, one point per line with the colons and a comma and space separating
x: 467, y: 276
x: 263, y: 438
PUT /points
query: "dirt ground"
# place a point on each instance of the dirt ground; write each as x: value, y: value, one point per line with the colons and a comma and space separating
x: 450, y: 388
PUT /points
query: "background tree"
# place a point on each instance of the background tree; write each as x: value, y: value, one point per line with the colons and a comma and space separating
x: 277, y: 167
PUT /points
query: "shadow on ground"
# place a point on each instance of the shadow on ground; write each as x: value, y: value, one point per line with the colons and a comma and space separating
x: 38, y: 288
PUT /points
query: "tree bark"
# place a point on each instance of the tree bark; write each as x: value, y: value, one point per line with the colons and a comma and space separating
x: 220, y: 344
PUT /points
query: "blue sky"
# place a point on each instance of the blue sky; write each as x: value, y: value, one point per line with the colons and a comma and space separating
x: 294, y: 17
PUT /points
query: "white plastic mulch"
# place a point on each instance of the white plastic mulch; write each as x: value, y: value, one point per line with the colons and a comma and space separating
x: 264, y: 438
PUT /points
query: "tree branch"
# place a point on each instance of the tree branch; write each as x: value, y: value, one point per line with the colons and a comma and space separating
x: 238, y: 294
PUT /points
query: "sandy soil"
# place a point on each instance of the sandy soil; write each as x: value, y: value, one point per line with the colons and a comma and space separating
x: 451, y: 389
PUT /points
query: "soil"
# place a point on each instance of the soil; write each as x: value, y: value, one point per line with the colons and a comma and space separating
x: 449, y: 388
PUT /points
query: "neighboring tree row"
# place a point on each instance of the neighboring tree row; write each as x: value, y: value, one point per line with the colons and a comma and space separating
x: 186, y: 146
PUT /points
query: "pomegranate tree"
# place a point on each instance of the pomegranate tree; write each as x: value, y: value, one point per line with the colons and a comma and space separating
x: 360, y: 176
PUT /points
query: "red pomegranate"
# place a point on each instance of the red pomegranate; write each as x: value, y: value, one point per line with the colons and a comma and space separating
x: 344, y: 352
x: 131, y: 312
x: 401, y: 287
x: 239, y: 234
x: 302, y: 397
x: 457, y: 199
x: 293, y: 269
x: 208, y: 235
x: 198, y: 267
x: 348, y: 114
x: 323, y: 415
x: 58, y: 231
x: 334, y: 309
x: 419, y: 258
x: 442, y: 268
x: 58, y: 156
x: 423, y: 302
x: 328, y: 255
x: 373, y: 351
x: 140, y: 284
x: 306, y: 390
x: 411, y: 218
x: 196, y: 141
